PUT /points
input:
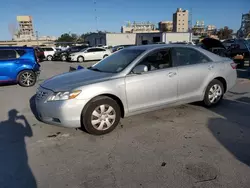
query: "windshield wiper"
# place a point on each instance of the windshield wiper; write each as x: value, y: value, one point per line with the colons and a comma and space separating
x: 94, y: 69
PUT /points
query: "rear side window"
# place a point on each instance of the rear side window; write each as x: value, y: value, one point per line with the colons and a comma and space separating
x: 99, y: 50
x: 48, y: 49
x: 8, y: 54
x: 188, y: 56
x: 21, y: 52
x: 93, y: 50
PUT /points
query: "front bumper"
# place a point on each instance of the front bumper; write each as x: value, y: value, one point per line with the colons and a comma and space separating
x: 65, y: 113
x: 71, y: 58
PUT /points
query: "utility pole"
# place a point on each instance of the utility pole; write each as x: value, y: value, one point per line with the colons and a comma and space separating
x: 37, y: 38
x: 190, y: 24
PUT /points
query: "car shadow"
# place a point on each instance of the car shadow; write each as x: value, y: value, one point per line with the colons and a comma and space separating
x: 14, y: 168
x: 232, y: 130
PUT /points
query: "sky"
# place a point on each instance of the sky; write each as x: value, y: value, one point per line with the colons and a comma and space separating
x: 54, y: 17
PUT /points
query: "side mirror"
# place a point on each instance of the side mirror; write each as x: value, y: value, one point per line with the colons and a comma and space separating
x: 140, y: 69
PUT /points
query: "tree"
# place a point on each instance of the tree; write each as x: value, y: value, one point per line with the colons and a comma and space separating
x: 225, y: 33
x: 66, y: 37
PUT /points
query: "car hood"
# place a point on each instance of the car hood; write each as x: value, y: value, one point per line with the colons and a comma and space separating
x: 209, y: 43
x: 72, y: 80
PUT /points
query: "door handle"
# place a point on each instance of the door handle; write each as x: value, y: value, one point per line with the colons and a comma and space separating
x: 210, y: 67
x: 171, y: 74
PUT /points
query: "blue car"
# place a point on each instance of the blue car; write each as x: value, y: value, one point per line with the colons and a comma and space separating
x: 18, y: 65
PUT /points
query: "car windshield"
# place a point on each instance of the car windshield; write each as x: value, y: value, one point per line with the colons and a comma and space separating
x: 118, y: 61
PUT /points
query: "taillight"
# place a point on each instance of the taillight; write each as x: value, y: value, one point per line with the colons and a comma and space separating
x: 233, y: 65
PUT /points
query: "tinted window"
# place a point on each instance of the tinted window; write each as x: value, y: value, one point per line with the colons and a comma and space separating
x: 21, y: 52
x: 188, y: 56
x: 241, y: 44
x: 48, y: 49
x: 118, y: 61
x: 158, y: 60
x: 8, y: 54
x: 93, y: 50
x: 100, y: 50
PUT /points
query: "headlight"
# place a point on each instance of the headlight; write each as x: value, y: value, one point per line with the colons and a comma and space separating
x: 64, y: 95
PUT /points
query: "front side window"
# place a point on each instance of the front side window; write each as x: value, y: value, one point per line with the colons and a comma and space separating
x: 8, y: 54
x: 93, y: 50
x: 117, y: 61
x: 158, y: 60
x: 188, y: 56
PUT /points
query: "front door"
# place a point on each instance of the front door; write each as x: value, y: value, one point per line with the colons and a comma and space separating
x: 195, y: 70
x: 154, y: 88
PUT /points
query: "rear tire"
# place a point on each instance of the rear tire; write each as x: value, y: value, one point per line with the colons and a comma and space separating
x: 101, y: 115
x: 80, y: 59
x: 214, y: 93
x: 26, y: 78
x: 49, y: 58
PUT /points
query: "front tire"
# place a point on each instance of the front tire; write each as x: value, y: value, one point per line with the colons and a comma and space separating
x: 64, y: 58
x: 49, y: 58
x: 80, y: 59
x: 101, y: 115
x: 214, y: 93
x: 26, y: 78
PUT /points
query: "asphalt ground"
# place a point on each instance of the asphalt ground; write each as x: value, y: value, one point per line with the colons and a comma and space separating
x: 184, y: 146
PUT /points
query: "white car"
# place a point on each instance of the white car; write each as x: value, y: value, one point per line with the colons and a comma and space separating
x: 49, y: 52
x: 89, y: 54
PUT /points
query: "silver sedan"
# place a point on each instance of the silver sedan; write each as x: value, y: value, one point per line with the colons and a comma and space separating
x: 132, y: 81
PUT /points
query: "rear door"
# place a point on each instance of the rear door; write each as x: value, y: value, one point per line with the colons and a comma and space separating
x: 195, y: 70
x: 100, y: 53
x: 92, y: 54
x: 8, y: 60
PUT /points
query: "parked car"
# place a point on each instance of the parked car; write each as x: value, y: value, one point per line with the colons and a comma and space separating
x: 240, y: 47
x: 132, y: 81
x: 63, y: 55
x: 49, y: 52
x: 89, y: 54
x: 215, y: 46
x: 119, y: 47
x: 18, y: 65
x: 39, y: 54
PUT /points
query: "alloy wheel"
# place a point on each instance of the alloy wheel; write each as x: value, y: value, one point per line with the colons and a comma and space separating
x: 27, y: 79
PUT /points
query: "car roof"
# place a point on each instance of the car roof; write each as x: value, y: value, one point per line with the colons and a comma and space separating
x: 211, y: 55
x: 158, y: 46
x: 16, y: 47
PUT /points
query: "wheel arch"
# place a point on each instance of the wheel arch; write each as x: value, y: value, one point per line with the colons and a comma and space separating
x: 23, y: 69
x: 112, y: 96
x: 223, y: 81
